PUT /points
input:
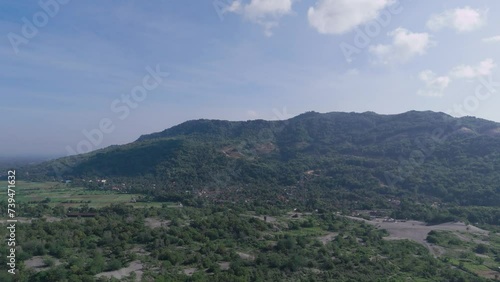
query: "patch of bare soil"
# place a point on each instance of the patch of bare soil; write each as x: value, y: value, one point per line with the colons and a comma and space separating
x: 156, y: 222
x: 224, y: 265
x: 417, y: 231
x: 232, y: 152
x: 328, y: 238
x: 297, y: 215
x: 37, y: 263
x: 52, y: 219
x: 189, y: 271
x: 140, y: 251
x: 494, y: 132
x: 135, y: 266
x: 245, y: 256
x: 491, y: 274
x: 265, y: 218
x: 265, y: 148
x: 314, y: 270
x: 483, y: 256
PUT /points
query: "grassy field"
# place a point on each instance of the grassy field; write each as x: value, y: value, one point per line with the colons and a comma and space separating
x: 55, y: 193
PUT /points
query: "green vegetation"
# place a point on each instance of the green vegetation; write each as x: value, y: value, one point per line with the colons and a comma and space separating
x: 472, y: 253
x: 266, y: 201
x: 438, y: 167
x: 443, y: 238
x: 219, y: 243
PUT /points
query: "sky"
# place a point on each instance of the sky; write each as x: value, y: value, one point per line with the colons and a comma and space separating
x: 81, y: 75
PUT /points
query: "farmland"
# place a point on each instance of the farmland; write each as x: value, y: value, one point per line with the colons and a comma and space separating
x: 61, y: 194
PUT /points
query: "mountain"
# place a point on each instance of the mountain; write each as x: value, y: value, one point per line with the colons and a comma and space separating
x: 360, y: 160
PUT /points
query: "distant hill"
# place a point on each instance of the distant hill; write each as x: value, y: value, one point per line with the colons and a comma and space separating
x: 336, y: 157
x: 7, y: 163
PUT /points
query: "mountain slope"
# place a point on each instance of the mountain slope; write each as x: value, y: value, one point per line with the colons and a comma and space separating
x: 336, y: 157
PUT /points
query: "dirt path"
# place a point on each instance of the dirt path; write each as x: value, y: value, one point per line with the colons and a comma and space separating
x: 19, y: 219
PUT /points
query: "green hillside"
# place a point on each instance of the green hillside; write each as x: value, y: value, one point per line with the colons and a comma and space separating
x: 332, y: 160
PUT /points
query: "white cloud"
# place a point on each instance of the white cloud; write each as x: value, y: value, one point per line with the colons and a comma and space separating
x: 491, y: 39
x: 466, y: 71
x: 434, y: 85
x: 263, y: 12
x: 262, y: 8
x: 341, y: 16
x: 461, y: 19
x: 405, y: 45
x: 234, y: 7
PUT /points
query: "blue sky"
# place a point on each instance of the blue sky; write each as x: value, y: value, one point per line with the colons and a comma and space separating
x: 235, y: 60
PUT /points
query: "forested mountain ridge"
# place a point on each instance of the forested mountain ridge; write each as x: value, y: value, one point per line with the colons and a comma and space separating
x: 338, y: 158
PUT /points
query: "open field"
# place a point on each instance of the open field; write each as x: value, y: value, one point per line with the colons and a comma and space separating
x: 55, y: 194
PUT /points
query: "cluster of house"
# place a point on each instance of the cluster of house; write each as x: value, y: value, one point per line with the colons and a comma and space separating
x: 102, y: 183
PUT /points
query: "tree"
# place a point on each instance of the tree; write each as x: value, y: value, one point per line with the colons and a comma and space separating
x: 481, y: 249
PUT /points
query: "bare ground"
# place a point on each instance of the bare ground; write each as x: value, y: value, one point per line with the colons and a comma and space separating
x: 140, y: 251
x: 189, y: 271
x: 224, y: 265
x: 36, y: 263
x: 156, y: 222
x: 328, y: 238
x: 52, y: 219
x: 417, y: 231
x: 135, y: 266
x: 266, y: 218
x: 491, y: 274
x: 245, y: 256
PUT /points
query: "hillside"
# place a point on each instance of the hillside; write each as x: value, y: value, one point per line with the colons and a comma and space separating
x: 342, y: 160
